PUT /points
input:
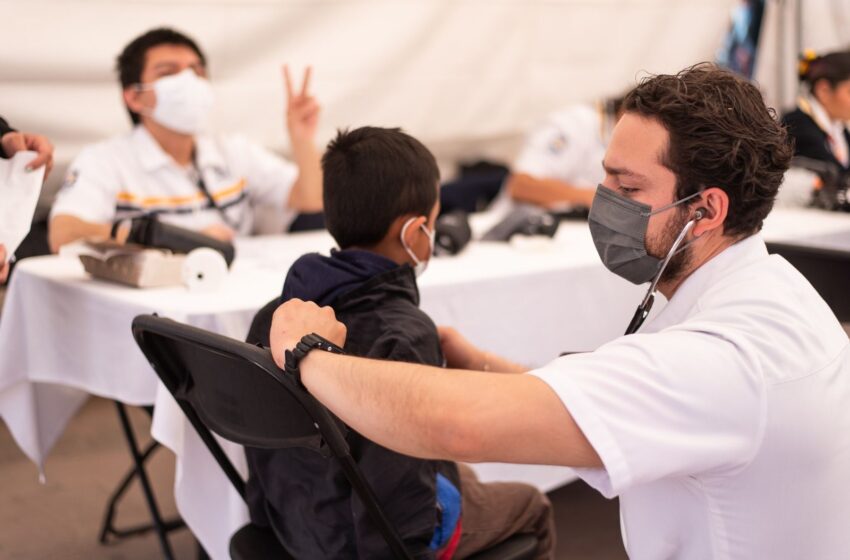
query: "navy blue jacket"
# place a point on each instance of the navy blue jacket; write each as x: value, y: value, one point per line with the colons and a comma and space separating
x: 306, y: 497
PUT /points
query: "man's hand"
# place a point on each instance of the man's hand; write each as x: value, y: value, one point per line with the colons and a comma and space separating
x: 302, y: 109
x: 296, y: 318
x: 220, y: 232
x: 4, y: 266
x: 459, y: 352
x: 14, y: 142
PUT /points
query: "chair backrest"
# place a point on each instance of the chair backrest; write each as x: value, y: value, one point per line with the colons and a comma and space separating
x: 827, y: 269
x: 237, y: 391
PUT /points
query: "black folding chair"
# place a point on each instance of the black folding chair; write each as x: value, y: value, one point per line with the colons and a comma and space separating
x: 237, y: 391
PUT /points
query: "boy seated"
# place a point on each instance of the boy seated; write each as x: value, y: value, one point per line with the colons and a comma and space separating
x: 381, y: 201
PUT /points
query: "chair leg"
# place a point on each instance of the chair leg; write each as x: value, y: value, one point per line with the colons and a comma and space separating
x: 162, y: 527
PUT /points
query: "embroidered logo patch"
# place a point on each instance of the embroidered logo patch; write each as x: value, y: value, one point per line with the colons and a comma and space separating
x: 558, y: 144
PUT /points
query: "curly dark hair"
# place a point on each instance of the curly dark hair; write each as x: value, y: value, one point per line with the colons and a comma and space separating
x: 721, y: 135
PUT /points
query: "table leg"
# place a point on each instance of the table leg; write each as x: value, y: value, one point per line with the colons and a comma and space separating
x: 138, y: 470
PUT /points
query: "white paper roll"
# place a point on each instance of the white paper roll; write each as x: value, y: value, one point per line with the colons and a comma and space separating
x: 204, y: 270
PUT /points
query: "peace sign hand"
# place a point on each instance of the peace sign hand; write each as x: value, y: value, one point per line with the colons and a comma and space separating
x: 302, y: 109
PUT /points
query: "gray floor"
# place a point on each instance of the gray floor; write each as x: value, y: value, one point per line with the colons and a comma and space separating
x: 60, y: 519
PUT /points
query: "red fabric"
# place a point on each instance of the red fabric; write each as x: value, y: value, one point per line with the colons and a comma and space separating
x: 449, y: 550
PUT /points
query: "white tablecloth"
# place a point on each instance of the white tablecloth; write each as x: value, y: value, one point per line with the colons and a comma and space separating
x: 64, y: 336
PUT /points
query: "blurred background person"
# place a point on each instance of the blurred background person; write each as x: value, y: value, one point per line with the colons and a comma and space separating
x: 818, y: 124
x: 168, y: 166
x: 560, y: 163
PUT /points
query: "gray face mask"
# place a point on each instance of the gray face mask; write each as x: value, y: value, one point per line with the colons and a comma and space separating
x: 618, y: 227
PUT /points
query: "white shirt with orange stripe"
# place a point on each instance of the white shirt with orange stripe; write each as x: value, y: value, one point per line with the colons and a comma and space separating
x: 131, y: 175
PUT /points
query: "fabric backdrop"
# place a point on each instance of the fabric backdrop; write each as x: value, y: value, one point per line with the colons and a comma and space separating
x: 465, y: 76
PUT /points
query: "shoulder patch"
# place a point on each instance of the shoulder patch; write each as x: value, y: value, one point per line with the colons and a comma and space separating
x: 70, y: 179
x: 558, y: 143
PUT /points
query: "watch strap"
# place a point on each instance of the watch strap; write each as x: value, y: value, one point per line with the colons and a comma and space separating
x: 308, y: 343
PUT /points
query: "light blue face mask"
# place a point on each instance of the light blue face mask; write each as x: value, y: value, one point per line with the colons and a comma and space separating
x: 618, y: 227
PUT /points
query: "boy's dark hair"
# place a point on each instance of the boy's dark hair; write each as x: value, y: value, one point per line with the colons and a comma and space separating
x: 833, y: 67
x: 721, y: 135
x: 131, y: 62
x: 372, y: 176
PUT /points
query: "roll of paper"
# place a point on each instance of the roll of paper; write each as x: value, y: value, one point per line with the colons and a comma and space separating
x: 204, y: 270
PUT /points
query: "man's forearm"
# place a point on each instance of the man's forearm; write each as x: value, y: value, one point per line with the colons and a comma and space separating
x: 306, y: 193
x: 547, y: 192
x: 448, y: 414
x: 65, y: 228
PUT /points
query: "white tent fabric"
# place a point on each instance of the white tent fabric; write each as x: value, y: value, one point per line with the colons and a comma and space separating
x: 789, y: 27
x: 465, y: 76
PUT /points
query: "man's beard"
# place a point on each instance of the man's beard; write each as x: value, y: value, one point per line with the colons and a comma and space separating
x: 660, y: 245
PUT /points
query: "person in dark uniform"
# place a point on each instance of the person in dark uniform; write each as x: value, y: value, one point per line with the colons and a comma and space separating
x: 819, y: 123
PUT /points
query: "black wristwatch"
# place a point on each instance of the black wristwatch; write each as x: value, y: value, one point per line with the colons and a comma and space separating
x: 312, y: 341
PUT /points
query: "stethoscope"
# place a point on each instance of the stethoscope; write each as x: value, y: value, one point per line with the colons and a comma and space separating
x: 642, y: 311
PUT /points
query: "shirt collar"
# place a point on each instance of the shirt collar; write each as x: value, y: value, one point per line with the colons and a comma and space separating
x: 153, y: 157
x: 835, y: 128
x: 208, y: 154
x: 686, y: 299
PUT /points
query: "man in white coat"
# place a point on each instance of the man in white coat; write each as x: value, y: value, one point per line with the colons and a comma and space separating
x: 723, y: 424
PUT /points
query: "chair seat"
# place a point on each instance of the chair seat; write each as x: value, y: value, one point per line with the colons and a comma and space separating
x: 253, y: 542
x: 517, y: 547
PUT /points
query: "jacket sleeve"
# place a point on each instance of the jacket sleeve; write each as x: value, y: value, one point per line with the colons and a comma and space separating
x: 405, y: 486
x: 415, y: 349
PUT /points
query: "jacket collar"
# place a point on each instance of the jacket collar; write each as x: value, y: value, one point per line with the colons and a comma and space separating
x: 399, y: 282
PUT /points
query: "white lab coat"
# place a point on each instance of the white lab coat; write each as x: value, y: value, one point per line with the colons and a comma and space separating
x: 724, y: 427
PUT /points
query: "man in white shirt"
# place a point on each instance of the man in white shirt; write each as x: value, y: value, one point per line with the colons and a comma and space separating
x: 560, y: 163
x: 723, y: 425
x: 219, y: 185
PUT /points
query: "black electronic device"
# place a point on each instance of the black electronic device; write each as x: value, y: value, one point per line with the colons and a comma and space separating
x: 835, y: 183
x: 452, y: 233
x: 523, y: 220
x: 150, y: 232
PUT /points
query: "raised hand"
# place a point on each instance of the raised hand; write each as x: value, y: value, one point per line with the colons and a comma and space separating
x: 302, y: 109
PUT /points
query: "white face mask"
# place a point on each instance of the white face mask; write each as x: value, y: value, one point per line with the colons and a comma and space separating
x: 183, y: 101
x: 420, y: 265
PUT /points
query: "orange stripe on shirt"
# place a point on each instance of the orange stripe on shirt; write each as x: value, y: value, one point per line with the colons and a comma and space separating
x: 125, y: 196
